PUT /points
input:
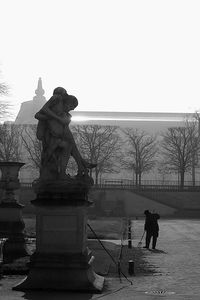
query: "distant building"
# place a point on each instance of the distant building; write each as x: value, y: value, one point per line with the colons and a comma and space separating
x: 153, y: 123
x: 148, y: 121
x: 29, y: 108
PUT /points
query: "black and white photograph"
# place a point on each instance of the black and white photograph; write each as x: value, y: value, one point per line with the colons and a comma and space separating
x: 99, y: 149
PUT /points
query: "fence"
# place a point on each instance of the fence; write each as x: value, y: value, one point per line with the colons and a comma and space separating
x: 168, y: 185
x: 148, y: 185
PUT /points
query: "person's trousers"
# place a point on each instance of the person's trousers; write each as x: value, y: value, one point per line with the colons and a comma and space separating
x: 150, y: 235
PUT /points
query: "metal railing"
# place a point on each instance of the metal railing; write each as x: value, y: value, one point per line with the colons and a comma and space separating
x: 144, y: 185
x: 148, y: 185
x: 146, y: 182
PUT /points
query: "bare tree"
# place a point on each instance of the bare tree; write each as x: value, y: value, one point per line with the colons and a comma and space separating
x: 194, y: 124
x: 140, y: 153
x: 32, y: 145
x: 98, y: 144
x: 4, y: 105
x: 10, y: 146
x: 3, y: 88
x: 180, y: 146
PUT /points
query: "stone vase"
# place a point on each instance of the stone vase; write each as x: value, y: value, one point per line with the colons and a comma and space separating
x: 11, y: 221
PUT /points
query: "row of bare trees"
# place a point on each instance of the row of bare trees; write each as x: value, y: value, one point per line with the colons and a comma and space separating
x: 101, y: 145
x: 175, y: 151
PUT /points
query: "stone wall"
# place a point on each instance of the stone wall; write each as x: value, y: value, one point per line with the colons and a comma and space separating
x: 124, y: 203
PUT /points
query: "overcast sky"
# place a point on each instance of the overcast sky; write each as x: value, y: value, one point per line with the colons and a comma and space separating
x: 112, y: 55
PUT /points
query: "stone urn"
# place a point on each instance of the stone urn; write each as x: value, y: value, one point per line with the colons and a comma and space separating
x: 9, y: 181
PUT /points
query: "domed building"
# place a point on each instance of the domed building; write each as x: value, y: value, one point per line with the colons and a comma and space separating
x: 29, y: 108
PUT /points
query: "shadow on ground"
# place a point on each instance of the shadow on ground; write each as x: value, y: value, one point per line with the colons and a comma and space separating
x: 157, y: 251
x: 43, y: 295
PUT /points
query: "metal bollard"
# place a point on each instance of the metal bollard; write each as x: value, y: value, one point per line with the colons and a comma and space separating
x: 129, y: 237
x: 119, y: 270
x: 2, y: 242
x: 130, y: 244
x: 131, y: 266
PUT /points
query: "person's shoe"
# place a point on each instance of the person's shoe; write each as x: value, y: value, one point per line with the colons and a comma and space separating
x: 146, y: 247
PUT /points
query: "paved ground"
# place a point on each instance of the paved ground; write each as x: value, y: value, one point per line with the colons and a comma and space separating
x: 176, y: 266
x: 177, y: 260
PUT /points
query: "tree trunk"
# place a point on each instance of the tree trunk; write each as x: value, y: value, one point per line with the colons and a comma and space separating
x: 136, y: 178
x: 193, y: 170
x: 96, y: 176
x: 140, y: 177
x: 182, y: 174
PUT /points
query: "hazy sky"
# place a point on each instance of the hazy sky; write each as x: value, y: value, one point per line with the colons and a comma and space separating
x: 112, y: 55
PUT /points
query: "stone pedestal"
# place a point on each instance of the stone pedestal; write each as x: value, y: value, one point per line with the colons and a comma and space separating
x: 62, y: 260
x: 11, y: 227
x: 11, y: 222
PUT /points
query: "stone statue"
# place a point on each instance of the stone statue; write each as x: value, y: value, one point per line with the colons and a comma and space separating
x: 62, y: 260
x: 58, y: 143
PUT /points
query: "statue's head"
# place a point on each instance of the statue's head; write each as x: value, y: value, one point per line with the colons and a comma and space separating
x: 73, y: 101
x: 59, y: 91
x: 70, y: 102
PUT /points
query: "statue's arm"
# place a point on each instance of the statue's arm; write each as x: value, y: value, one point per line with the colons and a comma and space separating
x: 40, y: 116
x: 46, y: 112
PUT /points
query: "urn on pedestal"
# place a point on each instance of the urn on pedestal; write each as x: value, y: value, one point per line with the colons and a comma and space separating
x: 11, y: 222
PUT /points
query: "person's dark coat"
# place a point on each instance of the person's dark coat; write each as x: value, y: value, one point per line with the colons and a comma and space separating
x: 154, y: 224
x: 151, y: 223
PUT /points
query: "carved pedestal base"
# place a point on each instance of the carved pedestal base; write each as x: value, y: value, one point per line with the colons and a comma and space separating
x: 61, y: 261
x: 62, y: 272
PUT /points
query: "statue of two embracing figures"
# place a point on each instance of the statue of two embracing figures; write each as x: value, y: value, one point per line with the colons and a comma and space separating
x: 62, y: 260
x: 58, y: 143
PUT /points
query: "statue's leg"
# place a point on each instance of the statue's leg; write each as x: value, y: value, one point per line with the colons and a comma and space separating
x: 79, y: 160
x: 49, y: 166
x: 65, y: 153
